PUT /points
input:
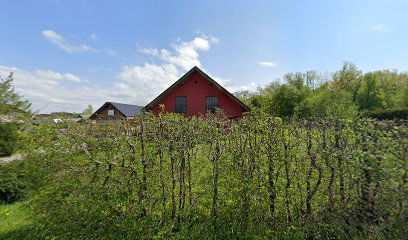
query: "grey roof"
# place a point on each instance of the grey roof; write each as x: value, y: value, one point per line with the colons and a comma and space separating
x: 127, y: 109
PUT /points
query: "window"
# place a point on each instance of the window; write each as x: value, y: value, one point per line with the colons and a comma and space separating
x: 111, y: 112
x: 181, y: 104
x: 212, y: 104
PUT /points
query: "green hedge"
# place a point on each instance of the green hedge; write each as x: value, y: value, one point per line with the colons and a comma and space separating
x: 389, y: 114
x: 169, y: 177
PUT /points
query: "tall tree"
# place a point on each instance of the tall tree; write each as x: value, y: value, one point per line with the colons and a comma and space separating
x: 348, y: 78
x: 371, y: 95
x: 11, y: 102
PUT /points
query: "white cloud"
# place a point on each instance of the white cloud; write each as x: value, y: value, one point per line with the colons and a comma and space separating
x: 143, y: 83
x: 111, y: 52
x: 186, y: 54
x: 133, y: 84
x: 147, y: 81
x: 47, y: 74
x: 62, y: 43
x: 150, y: 51
x: 50, y: 90
x: 267, y: 64
x: 382, y: 27
x: 93, y: 36
x: 231, y: 87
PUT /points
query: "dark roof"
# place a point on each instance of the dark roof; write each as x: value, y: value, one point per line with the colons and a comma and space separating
x: 128, y: 110
x: 184, y: 78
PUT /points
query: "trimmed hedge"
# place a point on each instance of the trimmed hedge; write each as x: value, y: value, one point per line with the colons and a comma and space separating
x: 389, y: 114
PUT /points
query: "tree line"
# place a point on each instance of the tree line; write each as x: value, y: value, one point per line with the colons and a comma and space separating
x: 345, y: 93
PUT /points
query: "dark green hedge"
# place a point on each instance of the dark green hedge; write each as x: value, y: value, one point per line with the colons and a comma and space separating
x: 389, y: 114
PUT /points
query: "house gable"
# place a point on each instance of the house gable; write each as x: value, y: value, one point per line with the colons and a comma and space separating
x: 121, y: 110
x: 196, y: 86
x: 102, y: 113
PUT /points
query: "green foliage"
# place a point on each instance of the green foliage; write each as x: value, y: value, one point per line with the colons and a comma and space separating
x: 348, y: 78
x: 14, y: 224
x: 390, y: 114
x: 12, y: 182
x: 169, y: 177
x: 8, y: 138
x: 328, y: 104
x: 371, y: 95
x: 345, y: 93
x: 10, y: 100
x: 286, y: 99
x: 12, y: 111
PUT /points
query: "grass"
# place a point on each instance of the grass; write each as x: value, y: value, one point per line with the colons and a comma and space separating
x: 13, y: 221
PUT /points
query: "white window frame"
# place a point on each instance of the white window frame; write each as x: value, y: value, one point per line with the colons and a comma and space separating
x: 111, y: 113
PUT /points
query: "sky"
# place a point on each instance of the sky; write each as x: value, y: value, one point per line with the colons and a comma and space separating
x: 67, y: 54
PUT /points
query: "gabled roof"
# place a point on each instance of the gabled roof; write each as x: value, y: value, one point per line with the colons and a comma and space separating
x: 128, y: 110
x: 184, y: 78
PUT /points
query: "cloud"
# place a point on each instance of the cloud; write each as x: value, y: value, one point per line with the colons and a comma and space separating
x: 148, y: 80
x: 50, y: 90
x: 150, y: 51
x: 231, y: 87
x: 383, y: 27
x: 62, y: 43
x: 111, y: 52
x: 144, y: 82
x: 267, y: 64
x: 47, y: 74
x: 93, y: 36
x: 133, y: 84
x: 185, y: 54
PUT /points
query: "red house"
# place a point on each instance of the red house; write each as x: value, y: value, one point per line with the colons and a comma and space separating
x: 196, y: 94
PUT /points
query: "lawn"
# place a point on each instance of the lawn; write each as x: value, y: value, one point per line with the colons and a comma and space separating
x: 13, y: 221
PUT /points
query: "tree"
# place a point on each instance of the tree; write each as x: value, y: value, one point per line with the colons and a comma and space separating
x: 12, y: 108
x: 89, y: 110
x: 10, y: 101
x: 286, y: 99
x: 348, y: 78
x: 328, y: 104
x: 371, y: 95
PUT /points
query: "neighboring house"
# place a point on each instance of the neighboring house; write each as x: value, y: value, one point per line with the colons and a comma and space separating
x: 116, y: 111
x: 196, y: 94
x: 58, y: 117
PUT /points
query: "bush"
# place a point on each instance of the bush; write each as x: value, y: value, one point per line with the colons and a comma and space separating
x: 8, y: 138
x: 13, y: 182
x: 389, y: 114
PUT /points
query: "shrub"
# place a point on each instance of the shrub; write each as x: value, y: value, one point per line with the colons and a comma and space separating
x: 390, y: 114
x: 8, y: 138
x: 13, y: 183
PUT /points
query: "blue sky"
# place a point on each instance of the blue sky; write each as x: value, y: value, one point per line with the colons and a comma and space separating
x: 68, y: 54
